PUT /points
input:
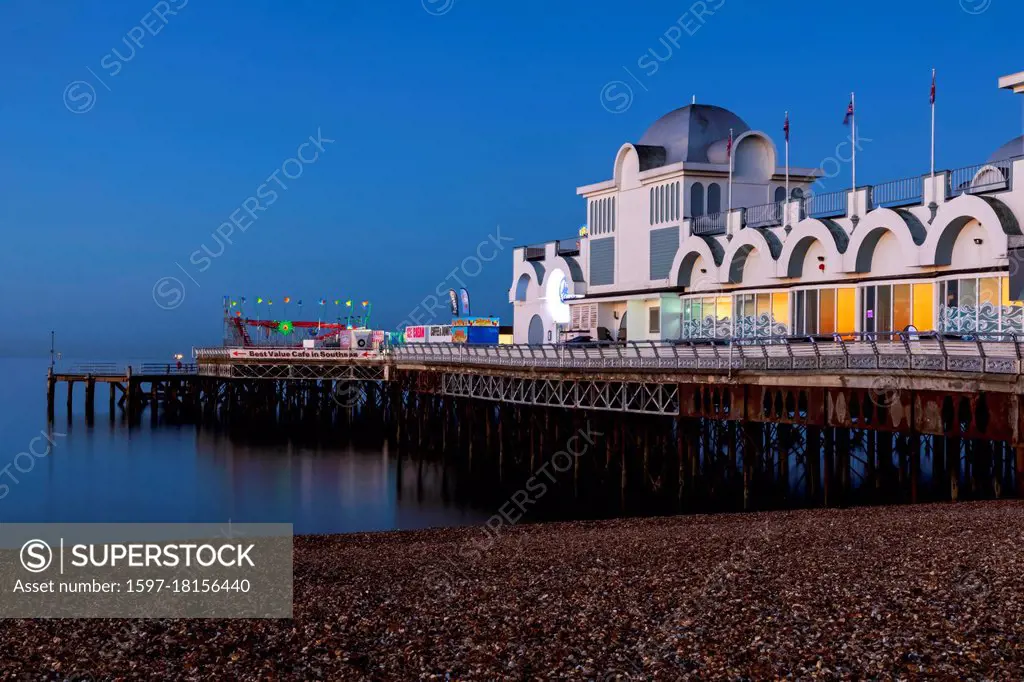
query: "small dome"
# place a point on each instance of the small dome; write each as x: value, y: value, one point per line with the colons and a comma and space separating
x: 686, y: 133
x: 1014, y: 147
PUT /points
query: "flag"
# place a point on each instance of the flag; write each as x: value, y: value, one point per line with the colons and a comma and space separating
x: 259, y: 299
x: 323, y: 301
x: 849, y: 113
x: 337, y: 301
x: 287, y: 299
x: 785, y: 127
x: 243, y: 300
x: 348, y: 303
x: 728, y: 146
x: 932, y: 96
x: 300, y: 301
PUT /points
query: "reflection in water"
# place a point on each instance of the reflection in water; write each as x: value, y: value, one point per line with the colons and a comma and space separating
x: 109, y: 473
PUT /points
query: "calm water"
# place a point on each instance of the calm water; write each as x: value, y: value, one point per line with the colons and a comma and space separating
x: 182, y: 474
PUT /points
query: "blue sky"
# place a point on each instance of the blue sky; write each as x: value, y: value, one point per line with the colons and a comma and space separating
x: 449, y: 119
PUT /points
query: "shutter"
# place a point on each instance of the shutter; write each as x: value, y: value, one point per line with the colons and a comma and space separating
x: 664, y: 244
x: 602, y: 261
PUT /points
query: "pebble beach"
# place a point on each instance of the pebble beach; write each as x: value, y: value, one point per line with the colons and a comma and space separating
x: 911, y: 592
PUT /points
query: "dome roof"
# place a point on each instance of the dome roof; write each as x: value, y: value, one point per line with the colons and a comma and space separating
x: 1014, y: 147
x: 686, y: 133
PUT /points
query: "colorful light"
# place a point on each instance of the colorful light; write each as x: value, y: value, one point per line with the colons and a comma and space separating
x: 285, y: 328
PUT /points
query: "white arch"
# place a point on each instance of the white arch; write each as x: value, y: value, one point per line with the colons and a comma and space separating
x: 805, y: 233
x: 743, y: 242
x: 533, y: 289
x: 870, y: 229
x: 687, y: 254
x: 951, y: 218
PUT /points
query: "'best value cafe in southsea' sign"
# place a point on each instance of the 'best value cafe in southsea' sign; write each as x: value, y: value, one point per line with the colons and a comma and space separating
x: 297, y: 354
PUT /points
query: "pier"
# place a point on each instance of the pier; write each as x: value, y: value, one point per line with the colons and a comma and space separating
x: 667, y: 426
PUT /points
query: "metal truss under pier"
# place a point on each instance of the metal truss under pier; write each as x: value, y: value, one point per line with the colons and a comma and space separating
x: 587, y: 394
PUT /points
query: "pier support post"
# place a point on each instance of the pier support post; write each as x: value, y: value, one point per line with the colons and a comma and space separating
x: 51, y: 388
x: 90, y: 398
x: 1019, y: 469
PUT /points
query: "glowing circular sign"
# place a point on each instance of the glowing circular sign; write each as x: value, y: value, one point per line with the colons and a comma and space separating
x: 556, y: 291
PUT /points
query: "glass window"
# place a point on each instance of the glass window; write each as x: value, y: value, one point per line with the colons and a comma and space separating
x: 714, y: 198
x: 812, y: 312
x: 924, y: 306
x: 827, y: 318
x: 900, y: 306
x: 652, y: 205
x: 798, y: 310
x: 846, y: 310
x: 883, y: 308
x: 780, y: 312
x: 654, y: 320
x: 988, y: 291
x: 968, y: 292
x: 763, y: 325
x: 780, y: 194
x: 867, y: 304
x: 952, y: 294
x: 697, y: 199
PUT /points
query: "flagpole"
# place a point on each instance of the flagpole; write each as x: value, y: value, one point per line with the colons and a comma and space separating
x: 787, y: 157
x: 730, y: 178
x: 853, y: 131
x: 933, y: 129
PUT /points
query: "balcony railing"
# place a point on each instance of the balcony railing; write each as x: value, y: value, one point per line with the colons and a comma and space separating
x: 828, y: 205
x: 712, y: 223
x: 902, y: 192
x: 881, y: 352
x: 765, y: 215
x: 980, y: 178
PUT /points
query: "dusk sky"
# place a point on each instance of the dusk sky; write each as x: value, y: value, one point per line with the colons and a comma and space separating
x: 449, y: 118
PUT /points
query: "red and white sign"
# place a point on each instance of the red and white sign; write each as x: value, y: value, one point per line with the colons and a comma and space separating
x: 415, y: 333
x: 297, y: 354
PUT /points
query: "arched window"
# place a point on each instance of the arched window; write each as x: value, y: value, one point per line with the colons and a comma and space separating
x: 613, y: 214
x: 696, y: 199
x: 652, y: 206
x: 661, y: 204
x: 780, y: 194
x: 675, y: 201
x: 797, y: 193
x: 714, y: 198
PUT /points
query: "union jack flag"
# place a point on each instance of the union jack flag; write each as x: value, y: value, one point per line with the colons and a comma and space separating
x: 849, y: 114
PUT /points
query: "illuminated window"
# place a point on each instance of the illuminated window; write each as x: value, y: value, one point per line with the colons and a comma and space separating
x: 780, y: 310
x: 924, y: 306
x: 901, y: 307
x: 846, y: 310
x: 827, y: 311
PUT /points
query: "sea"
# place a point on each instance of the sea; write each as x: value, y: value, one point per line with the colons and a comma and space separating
x: 68, y: 471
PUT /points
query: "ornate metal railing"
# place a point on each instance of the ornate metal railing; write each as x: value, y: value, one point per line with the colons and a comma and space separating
x: 894, y: 193
x: 116, y: 369
x: 889, y: 352
x: 764, y: 215
x: 980, y: 178
x: 712, y: 223
x: 827, y: 205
